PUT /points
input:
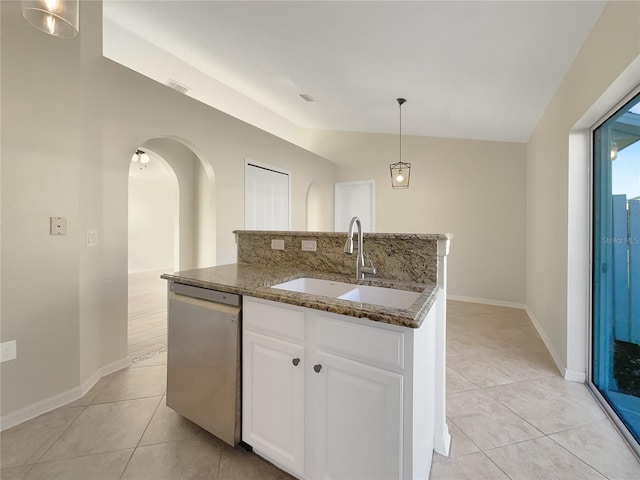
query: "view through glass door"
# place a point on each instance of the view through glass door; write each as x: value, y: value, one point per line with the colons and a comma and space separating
x: 615, y: 346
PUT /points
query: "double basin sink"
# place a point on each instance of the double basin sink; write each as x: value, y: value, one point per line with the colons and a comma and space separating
x: 388, y: 297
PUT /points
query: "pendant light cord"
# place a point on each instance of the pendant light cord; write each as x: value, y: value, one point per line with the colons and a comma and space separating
x: 400, y: 102
x: 400, y: 134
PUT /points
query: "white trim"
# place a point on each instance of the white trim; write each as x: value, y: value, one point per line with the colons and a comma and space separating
x: 486, y: 301
x: 61, y: 399
x: 578, y: 251
x: 442, y: 443
x: 561, y: 368
x: 573, y: 376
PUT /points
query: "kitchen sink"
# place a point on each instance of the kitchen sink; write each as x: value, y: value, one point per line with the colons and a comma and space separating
x: 388, y: 297
x: 315, y: 286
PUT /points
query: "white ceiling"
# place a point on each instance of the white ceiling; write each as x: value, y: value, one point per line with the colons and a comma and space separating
x: 480, y: 70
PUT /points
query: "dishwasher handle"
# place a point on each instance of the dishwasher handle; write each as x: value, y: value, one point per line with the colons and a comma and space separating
x: 206, y: 294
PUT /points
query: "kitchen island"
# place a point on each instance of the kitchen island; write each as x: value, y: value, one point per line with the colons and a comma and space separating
x: 334, y: 388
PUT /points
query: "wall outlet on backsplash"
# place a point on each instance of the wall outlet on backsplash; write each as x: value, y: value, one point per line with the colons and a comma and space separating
x: 277, y: 244
x: 309, y: 245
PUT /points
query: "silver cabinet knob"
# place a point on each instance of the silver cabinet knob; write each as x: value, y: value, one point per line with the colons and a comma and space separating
x: 295, y: 361
x: 317, y: 368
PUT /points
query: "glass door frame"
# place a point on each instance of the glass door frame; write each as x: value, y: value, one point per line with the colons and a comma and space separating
x: 611, y: 413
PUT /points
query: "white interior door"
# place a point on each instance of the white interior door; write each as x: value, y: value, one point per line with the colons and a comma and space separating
x: 266, y: 197
x: 355, y: 199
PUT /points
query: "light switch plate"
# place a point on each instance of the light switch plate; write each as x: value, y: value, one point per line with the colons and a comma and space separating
x: 92, y: 237
x: 57, y: 225
x: 309, y: 245
x: 277, y: 244
x: 8, y: 351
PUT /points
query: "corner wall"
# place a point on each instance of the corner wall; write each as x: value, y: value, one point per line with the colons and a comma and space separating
x: 555, y: 296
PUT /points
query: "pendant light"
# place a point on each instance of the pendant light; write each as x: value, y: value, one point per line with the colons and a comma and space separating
x: 400, y: 170
x: 55, y: 17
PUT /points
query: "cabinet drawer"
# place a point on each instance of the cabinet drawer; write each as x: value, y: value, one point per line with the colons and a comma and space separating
x: 268, y: 318
x: 371, y: 344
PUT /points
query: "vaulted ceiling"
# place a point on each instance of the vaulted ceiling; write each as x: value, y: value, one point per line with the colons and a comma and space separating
x: 468, y: 69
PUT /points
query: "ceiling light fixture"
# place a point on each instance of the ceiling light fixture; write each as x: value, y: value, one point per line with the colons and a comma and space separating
x: 400, y: 171
x: 59, y: 18
x: 142, y: 157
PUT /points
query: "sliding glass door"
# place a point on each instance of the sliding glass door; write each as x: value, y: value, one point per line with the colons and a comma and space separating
x: 615, y: 346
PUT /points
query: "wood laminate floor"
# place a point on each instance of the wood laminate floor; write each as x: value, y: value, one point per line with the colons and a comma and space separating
x: 147, y: 315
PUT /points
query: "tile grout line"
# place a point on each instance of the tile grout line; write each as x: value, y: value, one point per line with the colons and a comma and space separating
x: 547, y: 435
x: 496, y: 465
x: 84, y: 409
x: 142, y: 435
x: 576, y: 456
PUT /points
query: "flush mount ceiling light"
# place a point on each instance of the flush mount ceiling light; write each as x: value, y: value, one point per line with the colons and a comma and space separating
x: 55, y: 17
x: 400, y: 170
x: 141, y: 157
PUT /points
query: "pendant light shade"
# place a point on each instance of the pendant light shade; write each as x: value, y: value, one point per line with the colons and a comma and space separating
x: 55, y: 17
x: 400, y: 171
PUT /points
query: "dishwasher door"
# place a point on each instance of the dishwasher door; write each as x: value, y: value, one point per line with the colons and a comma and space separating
x: 203, y: 359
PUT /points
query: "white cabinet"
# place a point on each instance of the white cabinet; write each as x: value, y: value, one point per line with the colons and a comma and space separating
x: 352, y: 408
x: 358, y: 432
x: 273, y: 394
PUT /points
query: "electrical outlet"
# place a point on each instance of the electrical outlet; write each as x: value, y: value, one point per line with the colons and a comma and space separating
x: 309, y: 245
x: 57, y: 225
x: 8, y: 351
x: 277, y: 244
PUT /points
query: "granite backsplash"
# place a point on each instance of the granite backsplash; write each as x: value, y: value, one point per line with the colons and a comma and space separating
x: 397, y: 256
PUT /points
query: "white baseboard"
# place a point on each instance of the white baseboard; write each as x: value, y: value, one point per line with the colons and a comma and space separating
x: 487, y: 301
x: 559, y: 365
x: 56, y: 401
x: 443, y: 443
x: 573, y: 376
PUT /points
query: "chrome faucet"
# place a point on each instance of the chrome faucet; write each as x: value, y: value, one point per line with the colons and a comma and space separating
x: 361, y: 269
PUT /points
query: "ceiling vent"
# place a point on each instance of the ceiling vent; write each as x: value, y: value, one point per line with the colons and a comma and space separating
x: 307, y: 97
x: 177, y: 86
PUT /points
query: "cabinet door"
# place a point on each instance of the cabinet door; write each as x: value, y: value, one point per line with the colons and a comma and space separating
x: 359, y: 420
x: 273, y: 399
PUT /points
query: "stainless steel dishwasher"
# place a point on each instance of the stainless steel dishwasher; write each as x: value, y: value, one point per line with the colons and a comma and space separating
x: 203, y: 358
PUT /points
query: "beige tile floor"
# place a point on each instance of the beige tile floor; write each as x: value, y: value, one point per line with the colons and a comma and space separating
x: 509, y: 412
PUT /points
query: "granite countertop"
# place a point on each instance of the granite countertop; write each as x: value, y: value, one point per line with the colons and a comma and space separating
x: 256, y: 280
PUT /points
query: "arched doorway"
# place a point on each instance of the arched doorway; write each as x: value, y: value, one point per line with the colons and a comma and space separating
x: 171, y: 228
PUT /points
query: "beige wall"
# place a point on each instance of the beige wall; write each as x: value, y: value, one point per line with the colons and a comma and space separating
x: 153, y: 216
x: 70, y: 122
x: 611, y: 47
x: 473, y: 189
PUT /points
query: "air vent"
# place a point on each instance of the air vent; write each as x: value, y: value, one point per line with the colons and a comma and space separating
x: 177, y: 86
x: 307, y: 97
